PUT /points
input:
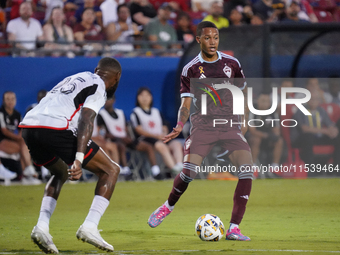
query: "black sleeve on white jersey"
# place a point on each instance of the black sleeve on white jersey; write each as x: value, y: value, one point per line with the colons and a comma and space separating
x: 82, y: 95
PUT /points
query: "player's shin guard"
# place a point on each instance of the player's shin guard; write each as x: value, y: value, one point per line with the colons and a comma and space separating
x: 182, y: 181
x: 242, y: 193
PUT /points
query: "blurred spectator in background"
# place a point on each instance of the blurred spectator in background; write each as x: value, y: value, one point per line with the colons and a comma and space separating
x: 41, y: 94
x: 287, y: 83
x: 159, y: 31
x: 215, y: 15
x: 70, y: 8
x: 73, y: 4
x: 149, y: 127
x: 266, y: 138
x: 58, y: 36
x: 142, y: 12
x: 333, y: 94
x: 185, y: 32
x: 113, y: 121
x: 177, y: 5
x: 89, y: 31
x: 89, y: 4
x: 121, y: 31
x: 49, y: 5
x: 292, y: 14
x: 243, y: 6
x: 109, y: 11
x: 315, y: 129
x: 25, y: 28
x: 203, y: 5
x: 256, y: 20
x: 306, y: 10
x: 15, y: 7
x: 269, y: 10
x: 12, y: 145
x: 99, y: 137
x: 313, y: 85
x: 3, y: 24
x: 236, y: 18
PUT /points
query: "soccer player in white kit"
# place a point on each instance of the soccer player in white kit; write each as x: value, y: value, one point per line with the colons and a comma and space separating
x: 57, y: 132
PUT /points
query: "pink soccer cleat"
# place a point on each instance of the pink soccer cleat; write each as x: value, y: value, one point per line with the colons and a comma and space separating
x: 158, y: 216
x: 235, y: 234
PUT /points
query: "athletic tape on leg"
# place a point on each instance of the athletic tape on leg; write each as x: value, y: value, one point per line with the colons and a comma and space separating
x: 189, y: 172
x: 246, y: 172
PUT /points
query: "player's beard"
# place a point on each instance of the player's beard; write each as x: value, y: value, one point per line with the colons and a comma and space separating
x: 111, y: 91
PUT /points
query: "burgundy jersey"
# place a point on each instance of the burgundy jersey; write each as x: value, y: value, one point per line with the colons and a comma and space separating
x: 200, y: 77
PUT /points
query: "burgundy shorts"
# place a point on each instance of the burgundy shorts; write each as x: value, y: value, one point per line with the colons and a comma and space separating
x: 201, y: 142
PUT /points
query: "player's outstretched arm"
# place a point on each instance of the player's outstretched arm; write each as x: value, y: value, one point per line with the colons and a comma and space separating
x: 85, y: 128
x: 183, y: 116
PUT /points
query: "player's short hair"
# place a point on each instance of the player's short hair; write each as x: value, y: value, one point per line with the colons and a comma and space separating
x: 110, y: 63
x: 202, y: 25
x: 140, y: 90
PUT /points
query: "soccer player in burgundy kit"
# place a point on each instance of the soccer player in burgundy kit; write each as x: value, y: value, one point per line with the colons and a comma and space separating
x: 210, y: 63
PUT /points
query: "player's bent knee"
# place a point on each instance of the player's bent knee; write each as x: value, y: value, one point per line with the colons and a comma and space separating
x: 114, y: 168
x: 246, y: 171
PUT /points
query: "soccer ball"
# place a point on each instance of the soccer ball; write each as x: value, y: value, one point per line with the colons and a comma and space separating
x: 209, y: 227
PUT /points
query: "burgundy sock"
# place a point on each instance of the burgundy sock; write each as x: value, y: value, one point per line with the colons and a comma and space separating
x: 181, y: 182
x: 241, y: 197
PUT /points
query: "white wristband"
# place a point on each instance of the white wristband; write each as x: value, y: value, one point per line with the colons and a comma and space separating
x: 80, y: 157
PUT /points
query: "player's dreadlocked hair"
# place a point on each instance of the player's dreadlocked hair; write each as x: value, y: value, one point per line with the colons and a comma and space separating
x: 110, y: 63
x: 202, y: 25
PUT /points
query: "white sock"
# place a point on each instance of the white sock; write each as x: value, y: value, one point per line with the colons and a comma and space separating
x: 170, y: 207
x: 155, y: 170
x: 48, y: 205
x: 98, y: 207
x: 232, y: 226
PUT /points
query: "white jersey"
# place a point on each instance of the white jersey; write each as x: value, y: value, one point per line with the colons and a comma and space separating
x: 150, y: 121
x: 115, y: 126
x: 60, y: 108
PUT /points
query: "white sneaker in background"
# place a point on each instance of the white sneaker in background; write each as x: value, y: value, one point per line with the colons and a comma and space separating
x: 6, y: 174
x: 178, y: 168
x: 30, y: 171
x: 30, y: 181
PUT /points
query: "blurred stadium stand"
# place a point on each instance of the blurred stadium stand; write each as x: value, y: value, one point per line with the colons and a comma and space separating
x: 272, y: 50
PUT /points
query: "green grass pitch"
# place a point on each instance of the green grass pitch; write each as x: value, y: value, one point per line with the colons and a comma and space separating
x: 282, y: 217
